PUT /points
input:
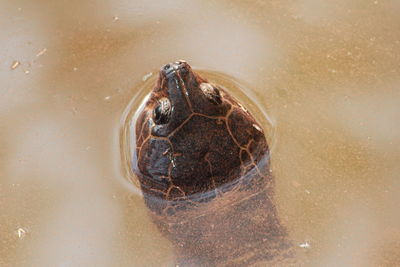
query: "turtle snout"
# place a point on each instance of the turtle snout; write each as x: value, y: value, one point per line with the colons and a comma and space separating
x: 171, y: 68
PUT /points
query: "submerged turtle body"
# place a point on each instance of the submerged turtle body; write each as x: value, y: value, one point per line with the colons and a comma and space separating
x: 202, y: 162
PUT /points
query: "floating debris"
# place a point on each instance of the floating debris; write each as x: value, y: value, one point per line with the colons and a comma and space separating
x: 147, y: 76
x: 21, y: 232
x: 107, y: 98
x: 41, y: 52
x: 304, y: 245
x: 115, y: 18
x: 75, y: 69
x: 15, y: 64
x: 27, y: 72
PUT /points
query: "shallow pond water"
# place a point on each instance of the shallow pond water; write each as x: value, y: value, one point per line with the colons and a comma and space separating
x: 326, y: 72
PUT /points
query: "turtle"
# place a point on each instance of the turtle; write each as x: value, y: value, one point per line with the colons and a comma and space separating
x: 203, y: 165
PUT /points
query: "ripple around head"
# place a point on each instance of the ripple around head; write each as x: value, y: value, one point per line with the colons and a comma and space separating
x: 127, y: 135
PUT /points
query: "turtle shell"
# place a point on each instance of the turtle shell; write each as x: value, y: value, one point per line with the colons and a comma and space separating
x: 203, y: 167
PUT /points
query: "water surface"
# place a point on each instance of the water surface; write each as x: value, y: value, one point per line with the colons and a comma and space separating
x: 326, y: 72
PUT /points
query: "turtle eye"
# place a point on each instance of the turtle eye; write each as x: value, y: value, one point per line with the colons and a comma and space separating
x: 211, y: 93
x: 162, y: 112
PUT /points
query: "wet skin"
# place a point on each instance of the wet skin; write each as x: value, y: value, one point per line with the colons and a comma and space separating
x: 203, y: 165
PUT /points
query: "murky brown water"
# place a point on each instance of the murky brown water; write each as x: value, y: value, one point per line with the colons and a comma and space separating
x: 327, y: 72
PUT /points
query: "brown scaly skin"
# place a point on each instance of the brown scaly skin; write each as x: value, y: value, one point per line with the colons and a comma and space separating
x: 203, y: 166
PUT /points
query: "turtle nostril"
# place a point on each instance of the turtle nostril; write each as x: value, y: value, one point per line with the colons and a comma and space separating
x: 184, y: 70
x: 167, y: 69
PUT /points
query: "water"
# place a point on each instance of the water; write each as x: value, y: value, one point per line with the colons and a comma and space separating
x: 326, y: 72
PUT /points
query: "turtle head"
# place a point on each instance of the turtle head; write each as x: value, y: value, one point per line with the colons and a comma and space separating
x: 178, y: 81
x: 179, y: 78
x: 179, y: 92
